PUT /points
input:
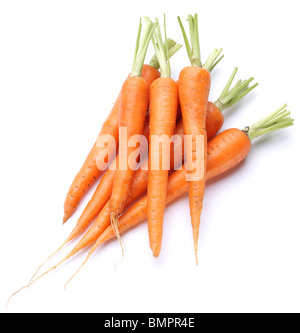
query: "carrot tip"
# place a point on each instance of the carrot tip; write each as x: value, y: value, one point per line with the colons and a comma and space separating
x: 196, y: 256
x: 196, y: 246
x: 65, y: 219
x: 155, y: 250
x: 155, y: 255
x: 114, y: 223
x: 16, y: 292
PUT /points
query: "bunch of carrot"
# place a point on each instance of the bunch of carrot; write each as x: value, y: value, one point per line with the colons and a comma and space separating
x: 181, y: 127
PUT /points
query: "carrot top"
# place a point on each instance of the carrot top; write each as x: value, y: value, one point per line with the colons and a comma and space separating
x: 172, y: 46
x: 193, y: 48
x: 161, y: 48
x: 231, y: 96
x: 141, y: 47
x: 213, y: 60
x: 277, y: 120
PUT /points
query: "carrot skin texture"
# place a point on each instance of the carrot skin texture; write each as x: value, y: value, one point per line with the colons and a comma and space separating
x: 235, y: 146
x: 163, y: 113
x: 133, y: 108
x: 214, y: 120
x: 220, y: 157
x: 89, y: 171
x: 194, y: 87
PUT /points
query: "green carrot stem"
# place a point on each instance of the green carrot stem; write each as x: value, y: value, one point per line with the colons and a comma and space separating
x: 240, y: 87
x: 216, y: 63
x: 213, y: 60
x: 172, y: 47
x: 141, y: 47
x: 230, y: 96
x: 193, y: 48
x: 239, y: 97
x: 166, y: 49
x: 137, y: 43
x: 229, y: 83
x: 161, y: 49
x: 277, y: 120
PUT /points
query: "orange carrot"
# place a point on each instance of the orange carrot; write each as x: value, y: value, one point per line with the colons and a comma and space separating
x: 89, y: 171
x: 104, y: 188
x: 133, y: 108
x: 163, y: 107
x: 140, y: 181
x: 100, y: 197
x: 92, y: 168
x: 194, y: 87
x: 224, y: 151
x: 150, y: 73
x: 214, y: 122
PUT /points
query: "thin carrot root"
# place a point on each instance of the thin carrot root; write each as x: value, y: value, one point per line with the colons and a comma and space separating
x: 44, y: 262
x: 196, y: 251
x: 114, y: 223
x: 91, y: 251
x: 195, y: 238
x: 31, y: 281
x: 77, y: 271
x: 16, y: 292
x: 49, y: 270
x: 36, y: 279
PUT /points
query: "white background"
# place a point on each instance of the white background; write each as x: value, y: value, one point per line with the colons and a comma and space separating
x: 62, y: 64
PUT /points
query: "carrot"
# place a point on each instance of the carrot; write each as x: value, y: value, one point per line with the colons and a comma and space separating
x: 224, y: 151
x: 214, y: 113
x: 94, y: 165
x: 92, y: 168
x: 163, y: 106
x: 100, y: 197
x: 104, y: 187
x: 140, y: 180
x: 133, y: 107
x: 194, y: 87
x: 214, y: 122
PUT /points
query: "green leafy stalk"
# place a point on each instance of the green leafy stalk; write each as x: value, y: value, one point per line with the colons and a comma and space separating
x: 161, y: 48
x: 275, y: 121
x: 231, y: 96
x: 141, y: 47
x: 166, y: 49
x: 193, y: 48
x: 213, y: 60
x: 172, y: 46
